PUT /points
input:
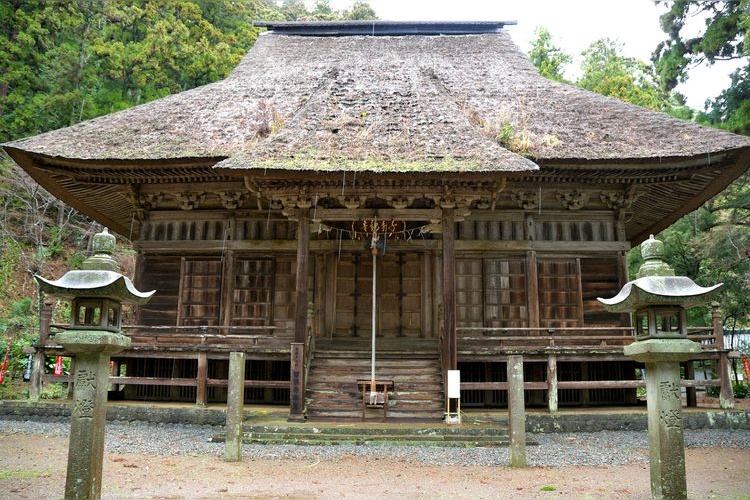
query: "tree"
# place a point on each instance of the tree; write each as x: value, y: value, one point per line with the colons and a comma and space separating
x: 296, y: 10
x: 731, y: 109
x: 360, y: 11
x: 726, y: 36
x: 547, y: 57
x: 606, y: 71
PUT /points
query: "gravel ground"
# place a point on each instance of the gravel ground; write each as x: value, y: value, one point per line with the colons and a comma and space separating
x: 604, y: 448
x: 177, y: 461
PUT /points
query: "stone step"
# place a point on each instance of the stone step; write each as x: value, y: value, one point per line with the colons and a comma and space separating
x: 467, y: 442
x: 327, y: 434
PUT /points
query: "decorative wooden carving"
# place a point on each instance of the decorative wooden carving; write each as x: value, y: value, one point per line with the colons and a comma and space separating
x: 352, y: 202
x: 232, y: 200
x: 400, y: 202
x: 524, y: 199
x: 572, y: 200
x: 190, y: 201
x: 618, y: 200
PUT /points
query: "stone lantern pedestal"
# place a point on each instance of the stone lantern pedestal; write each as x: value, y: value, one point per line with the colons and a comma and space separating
x: 658, y: 300
x: 666, y: 443
x: 92, y: 350
x: 96, y: 293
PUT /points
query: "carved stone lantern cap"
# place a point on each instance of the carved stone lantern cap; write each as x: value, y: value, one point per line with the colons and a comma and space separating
x: 100, y: 277
x: 657, y: 285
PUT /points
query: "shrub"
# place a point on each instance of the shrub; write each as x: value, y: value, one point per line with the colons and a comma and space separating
x: 58, y: 390
x: 741, y: 390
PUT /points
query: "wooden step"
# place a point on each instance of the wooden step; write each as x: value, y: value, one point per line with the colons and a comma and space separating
x: 332, y: 392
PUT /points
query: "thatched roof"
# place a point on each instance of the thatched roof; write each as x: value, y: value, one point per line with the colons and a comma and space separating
x: 295, y: 101
x: 418, y: 102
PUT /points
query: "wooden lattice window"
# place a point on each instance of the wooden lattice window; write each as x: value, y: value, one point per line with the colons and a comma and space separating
x: 506, y: 303
x: 560, y: 303
x: 252, y: 300
x: 491, y: 293
x: 200, y: 292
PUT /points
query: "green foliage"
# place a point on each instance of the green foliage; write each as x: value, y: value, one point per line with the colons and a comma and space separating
x: 360, y: 11
x: 723, y: 36
x: 731, y: 109
x: 9, y: 260
x: 712, y: 245
x: 548, y: 488
x: 296, y: 10
x: 546, y: 57
x: 606, y: 71
x: 56, y: 390
x: 741, y: 390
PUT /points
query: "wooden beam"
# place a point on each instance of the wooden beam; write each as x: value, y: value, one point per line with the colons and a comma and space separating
x: 462, y: 246
x: 408, y: 214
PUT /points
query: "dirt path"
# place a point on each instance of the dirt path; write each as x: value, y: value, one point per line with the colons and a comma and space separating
x: 34, y: 467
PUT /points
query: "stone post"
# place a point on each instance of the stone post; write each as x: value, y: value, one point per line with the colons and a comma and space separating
x: 662, y: 358
x: 92, y: 350
x: 516, y: 412
x: 552, y: 383
x: 235, y: 405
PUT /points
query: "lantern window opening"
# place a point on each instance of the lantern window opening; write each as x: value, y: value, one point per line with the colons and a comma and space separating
x: 661, y: 322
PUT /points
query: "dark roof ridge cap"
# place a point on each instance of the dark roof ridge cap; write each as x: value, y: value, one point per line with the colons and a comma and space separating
x: 382, y: 27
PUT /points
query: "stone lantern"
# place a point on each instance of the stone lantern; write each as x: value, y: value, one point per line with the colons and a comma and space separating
x: 97, y: 293
x: 658, y: 300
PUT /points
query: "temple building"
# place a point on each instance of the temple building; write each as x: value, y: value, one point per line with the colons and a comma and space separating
x: 419, y: 182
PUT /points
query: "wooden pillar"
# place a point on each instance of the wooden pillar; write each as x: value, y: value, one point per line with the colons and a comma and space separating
x: 201, y: 379
x: 319, y: 296
x: 427, y: 303
x: 303, y: 261
x: 37, y: 371
x: 691, y: 399
x: 437, y: 290
x: 726, y: 393
x: 532, y: 287
x: 552, y: 382
x: 227, y: 290
x: 449, y: 289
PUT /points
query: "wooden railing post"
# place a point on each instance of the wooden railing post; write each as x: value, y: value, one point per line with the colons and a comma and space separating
x: 691, y: 399
x: 201, y: 379
x: 726, y: 394
x: 37, y: 371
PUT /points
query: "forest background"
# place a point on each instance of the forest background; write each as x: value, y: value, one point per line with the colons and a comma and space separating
x: 63, y: 62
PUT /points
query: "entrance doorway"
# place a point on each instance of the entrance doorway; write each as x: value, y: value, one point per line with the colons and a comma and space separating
x: 399, y: 288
